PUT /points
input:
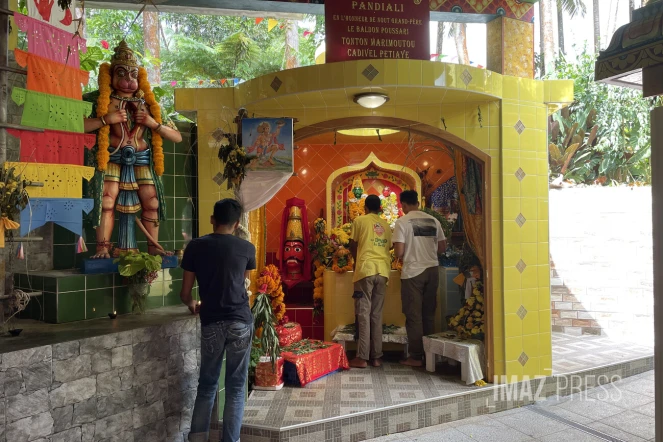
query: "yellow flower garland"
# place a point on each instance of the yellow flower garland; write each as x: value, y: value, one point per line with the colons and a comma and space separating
x: 103, y: 103
x: 155, y: 110
x: 271, y: 277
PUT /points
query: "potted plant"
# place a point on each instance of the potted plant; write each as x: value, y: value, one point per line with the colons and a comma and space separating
x: 140, y: 269
x: 13, y: 199
x: 269, y: 369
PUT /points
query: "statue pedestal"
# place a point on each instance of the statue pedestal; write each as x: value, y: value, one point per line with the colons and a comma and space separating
x: 96, y: 266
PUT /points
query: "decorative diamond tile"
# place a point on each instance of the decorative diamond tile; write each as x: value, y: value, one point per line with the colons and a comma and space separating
x: 218, y: 178
x: 523, y: 359
x: 466, y: 77
x: 370, y: 72
x: 521, y: 266
x: 520, y: 127
x: 522, y: 312
x: 520, y: 220
x: 276, y: 84
x: 520, y: 174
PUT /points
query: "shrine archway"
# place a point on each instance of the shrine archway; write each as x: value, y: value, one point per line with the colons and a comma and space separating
x: 455, y: 143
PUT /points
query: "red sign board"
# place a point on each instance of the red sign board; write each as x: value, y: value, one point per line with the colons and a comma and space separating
x: 388, y: 29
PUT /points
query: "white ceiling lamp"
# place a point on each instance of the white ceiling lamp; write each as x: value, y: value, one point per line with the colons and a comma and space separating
x: 371, y: 100
x: 367, y: 132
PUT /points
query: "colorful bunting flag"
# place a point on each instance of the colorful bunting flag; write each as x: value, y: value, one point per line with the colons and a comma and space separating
x: 173, y: 83
x: 307, y: 33
x: 223, y: 81
x: 260, y: 20
x: 81, y: 247
x: 271, y: 23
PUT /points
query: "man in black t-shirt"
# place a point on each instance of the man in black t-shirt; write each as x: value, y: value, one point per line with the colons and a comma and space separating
x: 221, y: 263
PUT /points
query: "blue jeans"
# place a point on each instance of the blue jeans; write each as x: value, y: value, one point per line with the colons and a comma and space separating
x: 233, y: 338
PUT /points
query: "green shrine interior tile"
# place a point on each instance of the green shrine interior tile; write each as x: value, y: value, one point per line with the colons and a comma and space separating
x: 101, y: 281
x: 62, y: 236
x: 183, y: 208
x: 71, y: 283
x: 170, y: 207
x: 168, y: 185
x: 183, y: 186
x: 122, y: 300
x: 50, y: 284
x: 157, y: 288
x: 36, y: 283
x: 173, y: 298
x: 71, y: 306
x: 98, y: 303
x: 64, y: 257
x: 169, y: 164
x: 50, y: 300
x: 154, y: 302
x: 176, y: 273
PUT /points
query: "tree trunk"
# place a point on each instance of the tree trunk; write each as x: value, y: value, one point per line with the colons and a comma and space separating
x: 547, y: 34
x: 597, y: 27
x: 440, y: 39
x: 291, y: 44
x: 151, y: 44
x: 560, y: 26
x: 460, y: 36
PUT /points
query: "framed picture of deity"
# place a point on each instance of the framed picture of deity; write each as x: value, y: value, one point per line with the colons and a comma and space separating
x: 269, y: 144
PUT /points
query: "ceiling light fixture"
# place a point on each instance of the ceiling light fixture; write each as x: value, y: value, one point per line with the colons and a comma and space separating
x: 367, y: 132
x: 371, y: 100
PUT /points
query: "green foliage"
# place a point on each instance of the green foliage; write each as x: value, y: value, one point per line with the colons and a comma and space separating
x: 132, y: 263
x: 264, y: 322
x: 444, y: 222
x: 619, y: 150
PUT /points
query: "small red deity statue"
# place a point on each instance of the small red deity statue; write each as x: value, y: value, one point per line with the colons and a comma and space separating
x: 294, y: 261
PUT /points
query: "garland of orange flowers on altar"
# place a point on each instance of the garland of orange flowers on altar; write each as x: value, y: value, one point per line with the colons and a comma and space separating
x: 342, y: 261
x: 469, y: 321
x: 103, y: 103
x: 271, y: 278
x: 321, y: 250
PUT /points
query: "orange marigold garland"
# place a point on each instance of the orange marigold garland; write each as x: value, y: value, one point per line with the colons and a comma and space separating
x: 103, y: 102
x: 342, y: 261
x: 155, y: 110
x: 271, y: 278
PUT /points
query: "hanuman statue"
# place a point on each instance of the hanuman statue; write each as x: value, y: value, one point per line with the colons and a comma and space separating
x: 129, y: 154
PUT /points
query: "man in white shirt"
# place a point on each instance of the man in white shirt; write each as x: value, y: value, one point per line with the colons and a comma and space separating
x: 418, y: 239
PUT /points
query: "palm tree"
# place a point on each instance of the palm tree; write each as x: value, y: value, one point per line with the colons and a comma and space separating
x: 151, y: 44
x: 571, y: 7
x: 460, y: 36
x: 597, y: 26
x: 547, y: 34
x: 440, y: 38
x: 291, y: 44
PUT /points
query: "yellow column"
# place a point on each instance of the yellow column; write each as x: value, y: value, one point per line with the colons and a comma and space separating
x: 510, y: 47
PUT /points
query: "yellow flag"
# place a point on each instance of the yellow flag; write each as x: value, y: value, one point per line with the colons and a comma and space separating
x: 271, y: 23
x: 13, y: 32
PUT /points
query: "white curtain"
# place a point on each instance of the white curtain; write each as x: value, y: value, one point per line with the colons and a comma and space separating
x: 259, y: 187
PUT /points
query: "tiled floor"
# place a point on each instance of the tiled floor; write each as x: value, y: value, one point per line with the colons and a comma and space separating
x: 574, y: 353
x: 355, y: 391
x: 623, y: 411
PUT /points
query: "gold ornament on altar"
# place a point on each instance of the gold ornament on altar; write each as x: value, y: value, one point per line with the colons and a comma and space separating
x: 294, y: 230
x: 124, y: 56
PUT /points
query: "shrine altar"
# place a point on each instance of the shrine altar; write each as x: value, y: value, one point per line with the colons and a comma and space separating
x: 309, y: 360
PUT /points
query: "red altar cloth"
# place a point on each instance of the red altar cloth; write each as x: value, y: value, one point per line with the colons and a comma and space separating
x: 289, y: 333
x: 315, y: 359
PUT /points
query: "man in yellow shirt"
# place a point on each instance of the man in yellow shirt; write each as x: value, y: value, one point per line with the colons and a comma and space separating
x: 371, y: 242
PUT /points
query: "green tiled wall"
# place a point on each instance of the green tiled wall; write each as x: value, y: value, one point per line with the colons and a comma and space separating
x: 70, y: 296
x: 180, y: 193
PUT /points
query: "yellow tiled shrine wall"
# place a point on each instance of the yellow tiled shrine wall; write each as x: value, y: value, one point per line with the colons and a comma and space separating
x: 512, y: 131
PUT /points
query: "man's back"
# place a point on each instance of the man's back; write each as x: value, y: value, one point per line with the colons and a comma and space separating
x: 420, y: 233
x: 220, y: 262
x: 373, y: 237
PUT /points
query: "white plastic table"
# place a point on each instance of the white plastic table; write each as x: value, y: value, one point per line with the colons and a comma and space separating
x: 469, y: 352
